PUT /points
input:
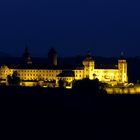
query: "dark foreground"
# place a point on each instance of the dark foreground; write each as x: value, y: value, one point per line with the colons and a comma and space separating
x: 21, y: 99
x: 76, y: 114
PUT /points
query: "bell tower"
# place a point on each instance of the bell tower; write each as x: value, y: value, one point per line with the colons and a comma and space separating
x: 26, y: 59
x: 52, y: 57
x: 88, y: 63
x: 122, y: 66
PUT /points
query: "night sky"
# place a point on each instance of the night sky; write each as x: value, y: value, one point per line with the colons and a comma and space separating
x: 106, y: 27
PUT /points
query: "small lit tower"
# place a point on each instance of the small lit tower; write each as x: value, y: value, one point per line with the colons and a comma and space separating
x: 26, y: 58
x: 88, y: 63
x: 52, y: 57
x: 122, y: 66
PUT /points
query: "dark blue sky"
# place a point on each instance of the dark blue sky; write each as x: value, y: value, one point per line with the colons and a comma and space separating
x: 106, y: 27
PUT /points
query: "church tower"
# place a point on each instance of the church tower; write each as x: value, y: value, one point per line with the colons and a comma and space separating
x: 89, y: 64
x: 122, y: 66
x: 52, y: 57
x: 26, y: 58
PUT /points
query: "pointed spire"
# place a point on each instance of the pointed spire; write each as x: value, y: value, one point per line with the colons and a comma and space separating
x: 26, y: 52
x: 88, y: 56
x: 122, y: 55
x: 26, y: 49
x: 26, y: 56
x: 88, y: 53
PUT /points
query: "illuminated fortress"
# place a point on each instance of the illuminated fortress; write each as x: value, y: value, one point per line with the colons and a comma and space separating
x: 49, y: 75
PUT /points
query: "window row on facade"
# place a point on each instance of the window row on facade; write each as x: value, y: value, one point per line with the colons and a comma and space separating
x: 42, y: 71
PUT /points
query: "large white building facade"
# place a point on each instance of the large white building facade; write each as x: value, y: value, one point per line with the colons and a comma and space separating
x: 49, y: 75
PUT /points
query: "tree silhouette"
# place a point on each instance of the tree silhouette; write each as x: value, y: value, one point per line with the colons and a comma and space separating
x: 14, y: 79
x: 88, y: 87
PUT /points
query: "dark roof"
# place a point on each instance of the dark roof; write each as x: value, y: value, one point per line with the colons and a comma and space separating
x: 79, y: 68
x: 29, y: 80
x: 44, y: 66
x: 104, y: 66
x: 66, y: 74
x: 27, y: 66
x: 106, y: 63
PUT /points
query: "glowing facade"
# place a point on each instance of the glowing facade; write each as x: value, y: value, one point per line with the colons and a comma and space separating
x: 113, y: 76
x: 31, y: 75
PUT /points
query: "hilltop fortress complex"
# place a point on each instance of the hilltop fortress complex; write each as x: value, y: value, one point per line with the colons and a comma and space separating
x: 51, y: 73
